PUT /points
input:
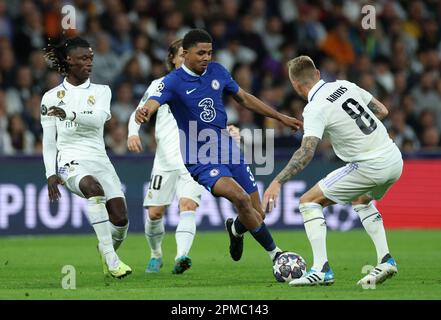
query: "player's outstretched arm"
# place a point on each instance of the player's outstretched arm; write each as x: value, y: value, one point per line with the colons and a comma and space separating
x: 88, y: 118
x: 133, y: 140
x: 298, y: 162
x: 144, y: 113
x: 378, y: 108
x: 252, y: 103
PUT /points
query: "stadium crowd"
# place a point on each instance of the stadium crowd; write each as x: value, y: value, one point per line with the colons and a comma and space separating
x: 399, y: 61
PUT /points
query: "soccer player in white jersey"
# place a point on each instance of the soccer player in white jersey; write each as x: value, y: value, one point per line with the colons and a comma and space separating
x: 351, y: 118
x: 169, y: 177
x: 73, y: 116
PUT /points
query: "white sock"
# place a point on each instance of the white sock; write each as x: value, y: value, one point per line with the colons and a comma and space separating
x: 99, y: 219
x: 373, y: 223
x: 119, y: 233
x: 273, y: 253
x: 185, y: 232
x: 154, y: 233
x: 315, y: 227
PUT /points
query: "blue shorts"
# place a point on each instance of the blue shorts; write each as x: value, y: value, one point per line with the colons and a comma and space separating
x: 208, y: 174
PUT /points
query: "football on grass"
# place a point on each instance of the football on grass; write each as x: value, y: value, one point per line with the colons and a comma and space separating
x: 289, y: 266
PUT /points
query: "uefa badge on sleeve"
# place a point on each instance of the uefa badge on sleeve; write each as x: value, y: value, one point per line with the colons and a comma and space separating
x: 43, y: 110
x: 214, y: 172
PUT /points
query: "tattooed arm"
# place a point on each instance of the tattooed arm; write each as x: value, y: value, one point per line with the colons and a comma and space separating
x: 378, y: 108
x: 299, y: 160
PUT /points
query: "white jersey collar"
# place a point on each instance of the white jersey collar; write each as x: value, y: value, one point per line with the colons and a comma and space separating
x: 68, y: 85
x: 314, y: 89
x: 187, y: 70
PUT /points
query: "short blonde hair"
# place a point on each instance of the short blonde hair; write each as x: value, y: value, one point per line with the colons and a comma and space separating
x: 302, y: 69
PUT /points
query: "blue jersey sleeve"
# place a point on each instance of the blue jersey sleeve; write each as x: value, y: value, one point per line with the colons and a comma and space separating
x: 164, y: 92
x: 231, y: 85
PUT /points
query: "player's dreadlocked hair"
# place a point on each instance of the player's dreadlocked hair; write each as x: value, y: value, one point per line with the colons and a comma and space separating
x: 172, y: 52
x: 57, y: 54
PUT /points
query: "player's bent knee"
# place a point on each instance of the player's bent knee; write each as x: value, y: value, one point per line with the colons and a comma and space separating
x: 90, y: 187
x: 187, y: 205
x: 120, y: 220
x: 156, y: 213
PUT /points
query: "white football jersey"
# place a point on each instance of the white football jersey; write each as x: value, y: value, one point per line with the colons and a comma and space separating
x: 168, y: 154
x: 76, y: 141
x: 338, y: 110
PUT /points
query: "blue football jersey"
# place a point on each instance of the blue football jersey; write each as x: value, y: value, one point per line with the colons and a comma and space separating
x: 197, y: 105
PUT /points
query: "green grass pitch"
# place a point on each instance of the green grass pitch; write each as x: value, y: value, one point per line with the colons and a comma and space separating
x: 31, y: 268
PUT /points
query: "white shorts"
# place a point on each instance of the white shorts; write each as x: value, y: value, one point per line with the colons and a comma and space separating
x: 348, y: 183
x: 164, y: 185
x: 72, y: 171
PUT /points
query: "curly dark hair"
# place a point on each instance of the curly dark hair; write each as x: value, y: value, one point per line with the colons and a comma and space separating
x: 56, y: 54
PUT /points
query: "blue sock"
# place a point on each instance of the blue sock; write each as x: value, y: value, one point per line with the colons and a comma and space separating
x: 240, y: 228
x: 263, y: 236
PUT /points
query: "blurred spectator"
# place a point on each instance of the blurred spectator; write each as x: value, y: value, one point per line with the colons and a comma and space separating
x: 5, y: 21
x: 426, y: 96
x: 3, y: 114
x: 272, y: 36
x: 18, y: 139
x: 235, y: 53
x: 31, y: 115
x: 124, y: 105
x: 383, y: 75
x: 39, y: 69
x: 16, y: 96
x: 337, y: 44
x: 140, y: 52
x: 197, y: 15
x: 430, y: 139
x: 7, y: 67
x: 310, y: 31
x: 132, y: 74
x: 30, y: 34
x: 121, y: 41
x: 117, y: 140
x: 106, y: 64
x: 399, y: 130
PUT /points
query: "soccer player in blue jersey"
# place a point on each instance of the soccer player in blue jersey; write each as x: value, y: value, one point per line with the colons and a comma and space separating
x: 194, y: 93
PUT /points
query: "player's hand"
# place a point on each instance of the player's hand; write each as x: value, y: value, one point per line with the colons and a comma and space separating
x: 52, y: 187
x: 142, y: 115
x: 270, y: 196
x: 234, y: 133
x: 291, y: 122
x: 57, y: 112
x: 134, y: 144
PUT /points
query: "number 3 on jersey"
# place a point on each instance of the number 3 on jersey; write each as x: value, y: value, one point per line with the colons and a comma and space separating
x: 251, y: 176
x: 358, y: 116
